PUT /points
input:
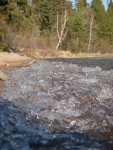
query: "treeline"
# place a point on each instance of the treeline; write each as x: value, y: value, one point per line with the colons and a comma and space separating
x: 56, y: 25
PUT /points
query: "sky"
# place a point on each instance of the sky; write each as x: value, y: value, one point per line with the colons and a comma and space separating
x: 89, y: 1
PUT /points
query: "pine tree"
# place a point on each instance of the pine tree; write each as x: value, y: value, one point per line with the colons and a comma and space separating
x: 100, y: 16
x: 98, y: 9
x: 110, y: 9
x: 3, y: 30
x: 3, y: 2
x: 79, y: 34
x: 85, y: 3
x: 104, y: 22
x: 44, y: 10
x: 81, y: 4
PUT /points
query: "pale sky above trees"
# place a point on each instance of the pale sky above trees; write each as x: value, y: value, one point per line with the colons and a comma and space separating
x: 89, y: 1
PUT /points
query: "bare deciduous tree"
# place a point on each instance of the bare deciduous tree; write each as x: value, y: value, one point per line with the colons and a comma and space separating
x: 90, y: 33
x: 61, y: 33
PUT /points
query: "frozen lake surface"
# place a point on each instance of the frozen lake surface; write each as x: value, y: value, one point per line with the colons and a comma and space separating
x: 65, y: 95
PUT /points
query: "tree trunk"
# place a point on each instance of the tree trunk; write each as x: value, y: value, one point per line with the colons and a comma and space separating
x: 61, y: 34
x: 90, y: 34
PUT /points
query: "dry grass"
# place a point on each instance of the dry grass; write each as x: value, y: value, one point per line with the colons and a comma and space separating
x: 2, y: 76
x: 10, y: 59
x: 89, y: 55
x: 67, y: 54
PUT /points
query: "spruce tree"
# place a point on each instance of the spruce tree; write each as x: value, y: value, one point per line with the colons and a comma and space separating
x: 3, y: 30
x: 110, y: 9
x: 100, y: 16
x: 81, y: 4
x: 98, y: 9
x: 103, y: 20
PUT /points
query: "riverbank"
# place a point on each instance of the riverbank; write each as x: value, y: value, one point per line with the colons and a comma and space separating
x: 14, y: 59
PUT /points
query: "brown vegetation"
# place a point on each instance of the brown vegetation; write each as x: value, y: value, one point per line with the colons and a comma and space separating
x: 7, y: 59
x: 14, y: 59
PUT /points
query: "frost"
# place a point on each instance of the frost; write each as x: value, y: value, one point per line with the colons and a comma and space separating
x: 67, y: 94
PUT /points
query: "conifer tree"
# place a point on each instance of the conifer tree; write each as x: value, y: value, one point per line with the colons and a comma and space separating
x: 3, y: 30
x: 44, y: 10
x: 103, y: 20
x: 99, y: 16
x: 81, y: 4
x: 110, y: 9
x: 98, y: 9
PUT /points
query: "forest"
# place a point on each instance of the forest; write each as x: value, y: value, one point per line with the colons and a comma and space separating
x: 56, y: 25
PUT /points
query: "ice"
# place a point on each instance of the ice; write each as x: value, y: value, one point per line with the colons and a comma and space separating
x: 40, y: 94
x: 73, y: 95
